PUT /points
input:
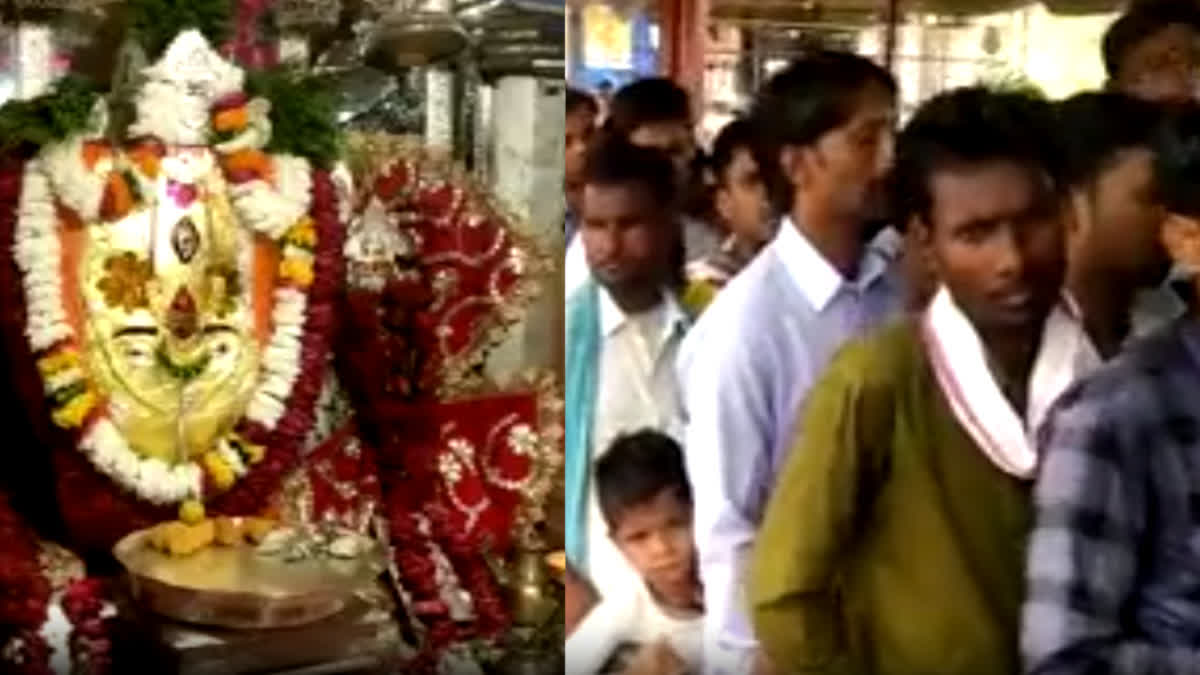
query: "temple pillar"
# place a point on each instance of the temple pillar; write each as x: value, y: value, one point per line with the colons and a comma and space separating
x: 35, y: 60
x: 439, y: 95
x: 528, y: 115
x: 482, y: 152
x: 684, y: 30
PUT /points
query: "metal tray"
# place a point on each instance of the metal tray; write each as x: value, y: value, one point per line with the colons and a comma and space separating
x: 236, y: 587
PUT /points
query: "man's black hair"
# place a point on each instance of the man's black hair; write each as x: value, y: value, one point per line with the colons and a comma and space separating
x: 806, y: 100
x: 1177, y: 162
x: 612, y: 160
x: 1095, y: 127
x: 968, y: 126
x: 737, y: 135
x: 637, y: 468
x: 580, y: 100
x: 650, y: 101
x: 1140, y: 22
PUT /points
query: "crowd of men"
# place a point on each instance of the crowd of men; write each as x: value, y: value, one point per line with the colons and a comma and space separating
x: 847, y: 399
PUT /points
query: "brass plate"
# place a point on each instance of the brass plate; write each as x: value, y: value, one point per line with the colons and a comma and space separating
x: 236, y: 587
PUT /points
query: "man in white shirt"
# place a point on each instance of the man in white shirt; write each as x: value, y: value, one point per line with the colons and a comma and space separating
x: 656, y: 113
x: 747, y: 365
x: 624, y: 326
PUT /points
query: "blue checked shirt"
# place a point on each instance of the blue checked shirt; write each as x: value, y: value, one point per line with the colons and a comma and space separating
x: 1114, y: 559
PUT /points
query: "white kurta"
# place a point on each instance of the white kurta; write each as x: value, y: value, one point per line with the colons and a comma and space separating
x: 636, y: 390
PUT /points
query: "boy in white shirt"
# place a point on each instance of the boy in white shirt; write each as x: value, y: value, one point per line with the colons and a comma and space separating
x: 655, y: 627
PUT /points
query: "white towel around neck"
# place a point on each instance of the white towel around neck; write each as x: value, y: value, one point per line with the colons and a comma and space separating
x: 960, y: 364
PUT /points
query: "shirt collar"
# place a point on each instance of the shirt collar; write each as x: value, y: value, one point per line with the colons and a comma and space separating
x: 817, y: 278
x: 612, y: 317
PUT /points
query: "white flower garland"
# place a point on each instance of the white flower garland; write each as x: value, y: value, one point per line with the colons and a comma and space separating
x: 281, y: 359
x: 273, y: 209
x: 232, y: 458
x: 150, y: 478
x: 36, y: 243
x: 79, y: 188
x: 37, y: 251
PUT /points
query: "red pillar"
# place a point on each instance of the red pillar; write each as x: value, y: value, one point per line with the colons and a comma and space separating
x: 683, y: 26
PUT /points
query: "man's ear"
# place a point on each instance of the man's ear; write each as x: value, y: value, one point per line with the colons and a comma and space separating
x: 722, y: 203
x: 1076, y: 211
x: 918, y: 264
x: 918, y: 231
x: 1181, y: 237
x: 920, y: 236
x: 791, y: 165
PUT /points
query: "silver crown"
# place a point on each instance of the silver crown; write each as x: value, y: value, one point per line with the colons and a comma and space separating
x: 196, y: 68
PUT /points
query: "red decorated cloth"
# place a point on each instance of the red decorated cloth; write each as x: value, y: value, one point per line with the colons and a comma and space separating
x: 455, y: 456
x: 461, y: 456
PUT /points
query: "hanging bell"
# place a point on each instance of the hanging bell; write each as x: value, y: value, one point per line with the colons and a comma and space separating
x: 407, y: 38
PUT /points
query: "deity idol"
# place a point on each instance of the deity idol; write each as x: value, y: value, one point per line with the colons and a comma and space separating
x: 179, y: 288
x: 173, y: 290
x: 176, y: 292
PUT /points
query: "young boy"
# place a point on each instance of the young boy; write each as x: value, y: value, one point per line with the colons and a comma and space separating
x: 655, y: 626
x: 740, y: 200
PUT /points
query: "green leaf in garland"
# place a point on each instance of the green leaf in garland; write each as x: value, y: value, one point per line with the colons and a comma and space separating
x: 303, y: 115
x: 155, y: 23
x: 62, y: 396
x: 49, y: 118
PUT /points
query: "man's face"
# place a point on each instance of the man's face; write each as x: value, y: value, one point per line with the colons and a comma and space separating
x: 742, y: 199
x: 995, y: 239
x: 580, y: 127
x: 627, y: 236
x: 656, y: 538
x: 1119, y: 220
x: 1162, y: 68
x: 847, y: 168
x: 674, y: 139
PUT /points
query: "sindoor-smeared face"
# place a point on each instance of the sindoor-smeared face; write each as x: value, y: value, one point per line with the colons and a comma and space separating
x: 168, y: 318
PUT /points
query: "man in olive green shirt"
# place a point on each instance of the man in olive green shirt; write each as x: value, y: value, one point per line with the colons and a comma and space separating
x: 894, y: 540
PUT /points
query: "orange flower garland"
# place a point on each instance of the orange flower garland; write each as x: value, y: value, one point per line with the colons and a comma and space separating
x: 234, y: 119
x: 118, y: 197
x: 147, y: 157
x: 245, y: 165
x: 95, y: 152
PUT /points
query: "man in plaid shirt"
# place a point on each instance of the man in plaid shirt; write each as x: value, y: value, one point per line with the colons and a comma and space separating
x: 1114, y: 559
